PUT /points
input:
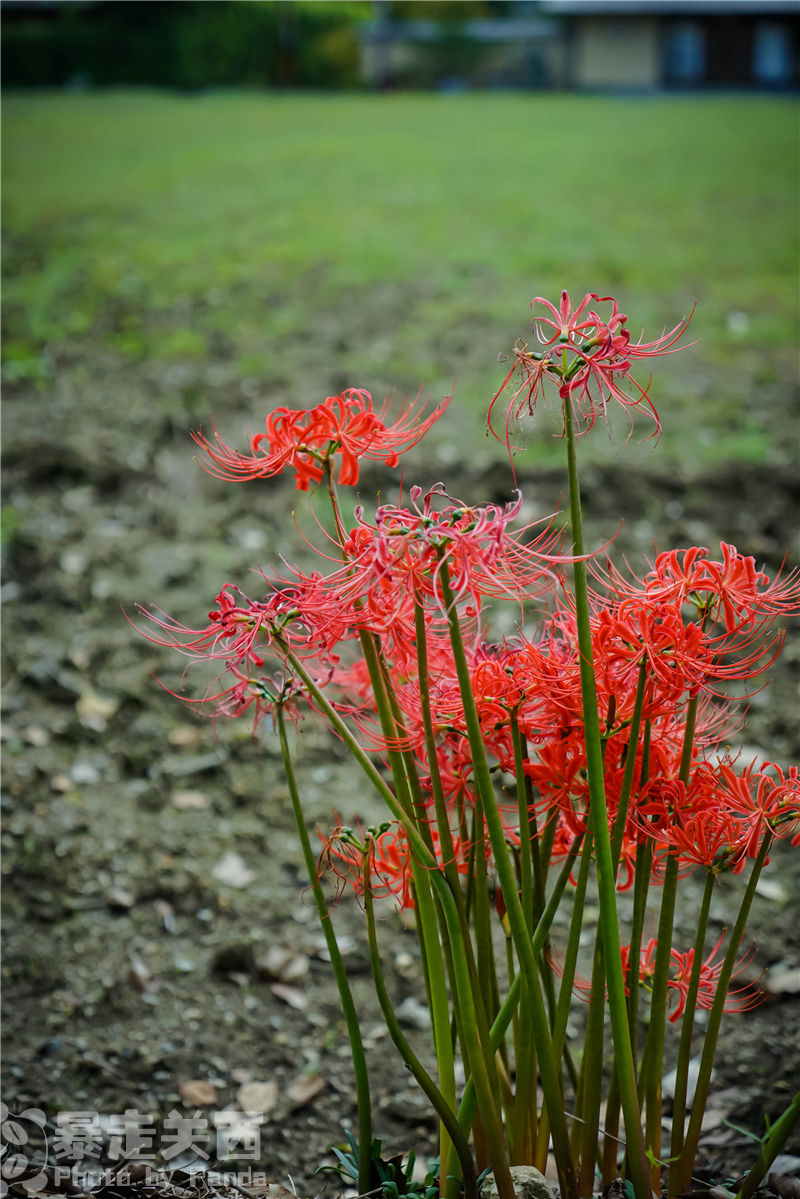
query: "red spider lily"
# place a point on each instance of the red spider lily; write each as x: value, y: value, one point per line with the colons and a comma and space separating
x: 389, y: 858
x: 647, y: 962
x: 732, y: 590
x: 390, y: 862
x: 768, y: 801
x: 786, y: 803
x: 485, y: 558
x: 301, y: 612
x: 264, y: 694
x: 233, y: 634
x: 696, y: 825
x: 305, y: 439
x: 739, y: 1000
x: 586, y: 357
x: 455, y: 769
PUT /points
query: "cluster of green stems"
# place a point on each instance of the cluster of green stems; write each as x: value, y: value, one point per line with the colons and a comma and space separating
x: 460, y: 973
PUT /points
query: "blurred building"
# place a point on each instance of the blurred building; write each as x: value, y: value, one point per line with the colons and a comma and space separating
x: 591, y: 44
x: 449, y: 45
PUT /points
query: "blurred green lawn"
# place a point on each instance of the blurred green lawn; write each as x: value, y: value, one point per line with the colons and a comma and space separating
x: 401, y: 238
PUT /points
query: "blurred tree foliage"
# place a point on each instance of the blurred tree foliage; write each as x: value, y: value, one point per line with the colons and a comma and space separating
x: 186, y: 44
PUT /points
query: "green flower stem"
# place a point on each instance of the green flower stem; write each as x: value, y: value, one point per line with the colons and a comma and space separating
x: 345, y: 995
x: 685, y: 1047
x: 573, y: 945
x: 466, y: 1112
x: 430, y: 955
x: 390, y: 716
x: 606, y: 875
x: 653, y: 1068
x: 611, y: 1130
x: 592, y: 1066
x: 686, y: 1163
x: 512, y: 974
x: 440, y: 1011
x: 525, y: 1096
x: 508, y: 883
x: 485, y: 1100
x: 653, y: 1062
x: 438, y: 1101
x: 525, y: 1093
x: 482, y: 917
x: 548, y: 836
x: 429, y: 917
x: 525, y: 861
x: 641, y: 887
x: 773, y: 1143
x: 630, y: 767
x: 440, y: 807
x: 448, y: 855
x: 611, y: 1122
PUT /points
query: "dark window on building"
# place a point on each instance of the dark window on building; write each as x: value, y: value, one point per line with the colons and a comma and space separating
x: 730, y: 51
x: 772, y: 54
x: 686, y: 53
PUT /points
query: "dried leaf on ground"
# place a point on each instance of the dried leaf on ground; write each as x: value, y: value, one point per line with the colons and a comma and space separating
x: 295, y: 999
x: 304, y: 1088
x: 258, y: 1096
x: 784, y: 1185
x: 198, y: 1092
x: 276, y: 1191
x: 786, y: 1163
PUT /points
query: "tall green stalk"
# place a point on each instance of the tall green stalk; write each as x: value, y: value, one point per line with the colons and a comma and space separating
x: 773, y: 1143
x: 467, y: 1109
x: 592, y: 1069
x: 439, y: 1102
x: 686, y: 1163
x: 641, y: 887
x: 489, y: 1113
x: 606, y: 875
x: 573, y: 945
x: 652, y: 1067
x: 345, y: 995
x: 516, y: 917
x: 525, y: 1095
x: 449, y: 865
x: 685, y: 1047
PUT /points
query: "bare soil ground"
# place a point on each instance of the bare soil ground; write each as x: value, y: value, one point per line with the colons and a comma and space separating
x: 129, y: 968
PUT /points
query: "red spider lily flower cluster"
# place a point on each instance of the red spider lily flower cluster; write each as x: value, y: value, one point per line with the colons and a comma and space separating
x: 304, y: 439
x: 390, y: 861
x: 390, y: 640
x: 587, y: 357
x: 717, y: 821
x: 737, y: 1000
